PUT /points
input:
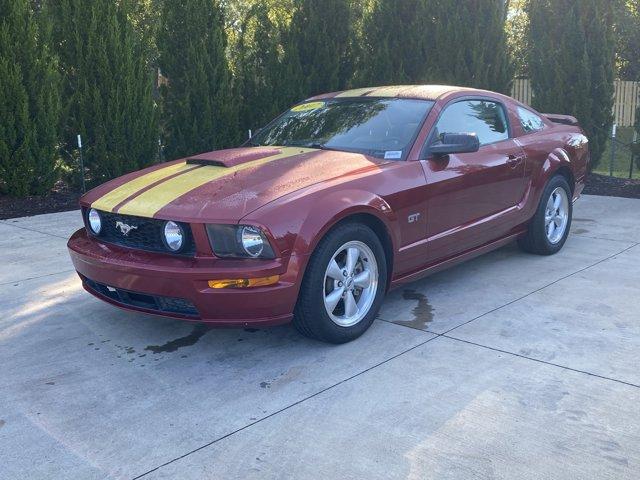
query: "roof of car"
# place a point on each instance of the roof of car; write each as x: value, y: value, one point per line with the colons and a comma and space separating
x: 423, y: 92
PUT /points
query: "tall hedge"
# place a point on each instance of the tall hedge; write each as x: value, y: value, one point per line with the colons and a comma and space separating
x: 571, y: 63
x: 107, y: 95
x: 394, y: 44
x: 459, y: 42
x: 320, y: 38
x: 200, y: 112
x: 260, y: 68
x: 467, y: 45
x: 29, y: 102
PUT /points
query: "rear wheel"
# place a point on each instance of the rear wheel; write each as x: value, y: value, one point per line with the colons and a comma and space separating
x: 343, y: 286
x: 550, y: 225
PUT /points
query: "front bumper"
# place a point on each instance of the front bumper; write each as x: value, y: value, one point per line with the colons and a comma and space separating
x: 178, y: 287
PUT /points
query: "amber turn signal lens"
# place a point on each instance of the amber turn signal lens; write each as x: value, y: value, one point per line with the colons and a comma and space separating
x: 244, y: 282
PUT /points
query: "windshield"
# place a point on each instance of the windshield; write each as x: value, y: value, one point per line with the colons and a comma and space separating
x: 382, y: 127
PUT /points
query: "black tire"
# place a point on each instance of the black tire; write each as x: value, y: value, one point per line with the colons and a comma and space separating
x: 536, y: 240
x: 310, y: 316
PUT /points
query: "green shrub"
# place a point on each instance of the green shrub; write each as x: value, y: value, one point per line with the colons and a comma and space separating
x: 29, y: 102
x: 200, y: 111
x: 107, y: 90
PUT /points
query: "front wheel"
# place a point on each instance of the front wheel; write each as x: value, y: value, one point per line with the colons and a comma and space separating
x: 343, y: 286
x: 550, y: 225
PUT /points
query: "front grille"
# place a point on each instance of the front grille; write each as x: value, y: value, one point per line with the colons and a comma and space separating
x: 156, y: 303
x: 147, y: 234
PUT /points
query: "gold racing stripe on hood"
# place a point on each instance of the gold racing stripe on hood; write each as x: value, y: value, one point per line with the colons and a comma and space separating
x: 119, y: 194
x: 150, y: 202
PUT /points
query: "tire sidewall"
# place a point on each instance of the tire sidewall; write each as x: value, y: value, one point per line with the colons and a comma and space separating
x: 312, y: 290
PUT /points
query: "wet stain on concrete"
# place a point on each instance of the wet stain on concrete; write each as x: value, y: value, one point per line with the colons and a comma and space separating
x: 186, y: 341
x: 578, y: 231
x: 587, y: 220
x: 127, y: 350
x: 51, y: 383
x: 291, y: 375
x: 251, y: 330
x: 422, y: 312
x: 2, y: 423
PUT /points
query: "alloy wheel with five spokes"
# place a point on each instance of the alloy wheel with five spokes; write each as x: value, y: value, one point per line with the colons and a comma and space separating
x: 556, y: 215
x: 350, y: 283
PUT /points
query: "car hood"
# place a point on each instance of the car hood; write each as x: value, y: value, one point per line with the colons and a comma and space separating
x: 223, y: 185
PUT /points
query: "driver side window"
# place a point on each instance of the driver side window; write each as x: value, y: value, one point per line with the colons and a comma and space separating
x: 484, y: 118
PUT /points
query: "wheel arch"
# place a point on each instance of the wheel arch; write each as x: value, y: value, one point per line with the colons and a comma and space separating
x: 567, y: 173
x: 353, y: 206
x: 381, y: 231
x: 557, y: 162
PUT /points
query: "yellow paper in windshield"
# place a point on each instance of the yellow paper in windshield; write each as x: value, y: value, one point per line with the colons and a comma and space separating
x: 305, y: 107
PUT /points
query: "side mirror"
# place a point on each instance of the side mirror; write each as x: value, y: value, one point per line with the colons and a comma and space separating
x: 455, y: 143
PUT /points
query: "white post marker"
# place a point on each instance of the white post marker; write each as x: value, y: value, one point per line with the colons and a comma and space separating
x: 81, y: 163
x: 613, y: 148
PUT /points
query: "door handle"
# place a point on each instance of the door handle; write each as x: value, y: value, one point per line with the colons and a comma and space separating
x: 514, y: 160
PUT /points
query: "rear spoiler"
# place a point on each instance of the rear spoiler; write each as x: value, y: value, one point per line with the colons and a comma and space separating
x: 563, y: 119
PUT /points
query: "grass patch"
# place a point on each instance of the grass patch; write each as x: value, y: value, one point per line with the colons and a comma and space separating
x: 622, y: 156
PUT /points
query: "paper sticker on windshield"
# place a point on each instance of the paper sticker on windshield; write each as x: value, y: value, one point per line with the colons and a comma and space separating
x: 305, y: 107
x: 392, y: 154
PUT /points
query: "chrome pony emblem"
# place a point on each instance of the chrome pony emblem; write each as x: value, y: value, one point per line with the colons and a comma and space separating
x: 124, y: 228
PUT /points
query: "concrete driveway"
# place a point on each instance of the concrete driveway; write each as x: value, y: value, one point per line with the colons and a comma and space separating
x: 510, y: 366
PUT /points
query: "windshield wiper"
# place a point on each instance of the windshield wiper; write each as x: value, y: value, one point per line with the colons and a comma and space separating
x: 319, y: 146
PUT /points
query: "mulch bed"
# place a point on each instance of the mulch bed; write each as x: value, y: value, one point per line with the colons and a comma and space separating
x: 612, y: 186
x: 61, y: 199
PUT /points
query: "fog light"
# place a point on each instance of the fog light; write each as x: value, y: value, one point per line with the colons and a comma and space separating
x: 173, y: 236
x: 244, y: 282
x: 95, y: 222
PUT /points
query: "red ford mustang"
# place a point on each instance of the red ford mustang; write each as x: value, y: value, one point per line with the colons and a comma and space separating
x: 341, y: 198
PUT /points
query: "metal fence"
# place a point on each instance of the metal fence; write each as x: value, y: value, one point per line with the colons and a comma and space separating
x: 626, y: 99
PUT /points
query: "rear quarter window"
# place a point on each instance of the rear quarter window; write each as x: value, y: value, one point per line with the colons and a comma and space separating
x: 529, y: 121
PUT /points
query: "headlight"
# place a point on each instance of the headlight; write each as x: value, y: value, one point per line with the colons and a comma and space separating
x: 173, y: 236
x: 95, y: 222
x: 239, y: 241
x: 252, y: 241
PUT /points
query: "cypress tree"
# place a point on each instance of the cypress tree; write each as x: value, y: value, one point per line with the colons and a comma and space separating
x: 108, y: 88
x: 459, y: 42
x: 468, y: 46
x: 395, y: 39
x: 29, y: 101
x: 600, y: 42
x: 516, y: 25
x: 321, y: 37
x: 259, y: 68
x: 571, y: 63
x: 199, y: 109
x: 627, y: 32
